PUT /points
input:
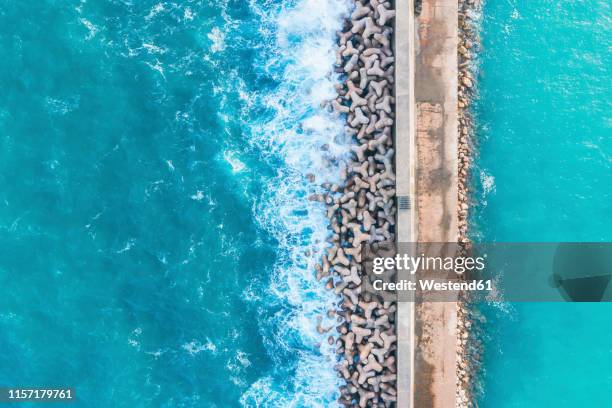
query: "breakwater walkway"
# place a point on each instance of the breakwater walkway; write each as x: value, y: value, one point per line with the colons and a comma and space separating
x: 426, y: 117
x: 405, y: 185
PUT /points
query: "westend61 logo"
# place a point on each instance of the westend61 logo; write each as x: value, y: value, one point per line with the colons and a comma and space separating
x: 515, y: 272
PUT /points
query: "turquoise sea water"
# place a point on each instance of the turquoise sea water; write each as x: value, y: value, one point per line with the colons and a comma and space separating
x: 545, y: 174
x: 156, y: 244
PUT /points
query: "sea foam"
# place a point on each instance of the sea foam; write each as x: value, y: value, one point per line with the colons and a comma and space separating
x: 301, y: 138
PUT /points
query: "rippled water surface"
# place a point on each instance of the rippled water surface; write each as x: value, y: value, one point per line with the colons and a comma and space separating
x: 545, y: 174
x: 156, y: 244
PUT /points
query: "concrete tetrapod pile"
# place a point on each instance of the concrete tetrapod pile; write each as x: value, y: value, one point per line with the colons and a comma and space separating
x: 362, y: 209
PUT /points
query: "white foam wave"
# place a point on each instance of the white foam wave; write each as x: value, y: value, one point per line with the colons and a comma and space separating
x: 232, y: 159
x: 299, y: 137
x: 488, y: 183
x: 128, y: 245
x: 218, y: 39
x: 91, y: 28
x: 155, y: 10
x: 188, y: 14
x: 195, y: 347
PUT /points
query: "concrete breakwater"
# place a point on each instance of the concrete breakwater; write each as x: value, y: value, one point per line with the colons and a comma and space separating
x: 362, y: 209
x: 469, y: 348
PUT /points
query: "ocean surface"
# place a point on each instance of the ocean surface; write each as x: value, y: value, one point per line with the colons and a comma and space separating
x: 544, y: 174
x: 156, y: 243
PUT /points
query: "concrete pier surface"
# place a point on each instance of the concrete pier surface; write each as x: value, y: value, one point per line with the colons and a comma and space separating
x: 426, y: 161
x: 405, y: 185
x: 437, y: 191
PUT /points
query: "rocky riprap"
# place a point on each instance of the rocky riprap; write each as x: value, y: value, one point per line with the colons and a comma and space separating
x: 362, y: 209
x: 469, y: 348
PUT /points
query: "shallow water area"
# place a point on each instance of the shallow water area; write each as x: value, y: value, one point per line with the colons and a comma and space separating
x: 543, y: 174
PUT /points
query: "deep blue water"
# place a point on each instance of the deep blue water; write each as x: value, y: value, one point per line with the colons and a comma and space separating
x: 544, y: 173
x: 156, y: 246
